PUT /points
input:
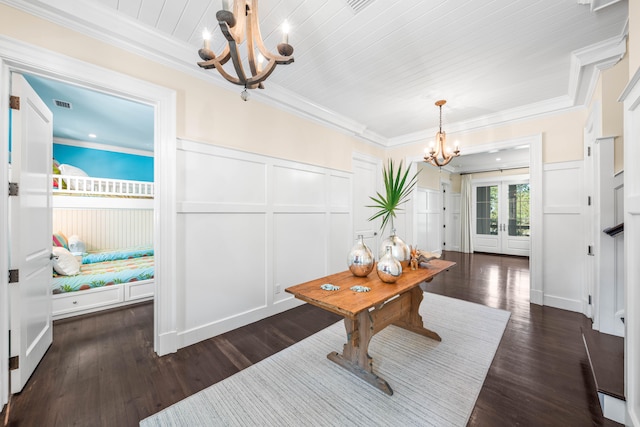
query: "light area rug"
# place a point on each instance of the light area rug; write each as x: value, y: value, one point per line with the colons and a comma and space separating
x: 434, y: 383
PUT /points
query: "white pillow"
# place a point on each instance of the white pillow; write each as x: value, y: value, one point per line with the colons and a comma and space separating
x: 72, y: 171
x: 63, y: 262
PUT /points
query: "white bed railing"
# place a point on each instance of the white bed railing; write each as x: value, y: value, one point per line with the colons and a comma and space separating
x: 79, y: 185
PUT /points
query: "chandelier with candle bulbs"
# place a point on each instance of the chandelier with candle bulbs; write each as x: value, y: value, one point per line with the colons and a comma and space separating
x: 438, y: 154
x: 238, y: 21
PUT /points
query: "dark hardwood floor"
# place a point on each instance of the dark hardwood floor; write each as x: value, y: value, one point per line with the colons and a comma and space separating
x: 101, y: 369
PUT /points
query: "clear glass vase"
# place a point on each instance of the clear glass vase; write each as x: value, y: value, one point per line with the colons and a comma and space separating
x: 389, y: 268
x: 360, y: 259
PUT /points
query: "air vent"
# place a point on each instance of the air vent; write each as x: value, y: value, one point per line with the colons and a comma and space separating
x: 62, y: 104
x: 358, y: 5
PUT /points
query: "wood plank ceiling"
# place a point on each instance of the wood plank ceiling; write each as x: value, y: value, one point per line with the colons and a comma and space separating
x: 382, y: 64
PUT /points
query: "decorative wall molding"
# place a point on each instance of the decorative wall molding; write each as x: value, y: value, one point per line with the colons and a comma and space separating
x: 250, y: 226
x: 587, y: 63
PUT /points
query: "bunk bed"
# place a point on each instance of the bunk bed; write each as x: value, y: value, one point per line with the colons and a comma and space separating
x: 85, y: 281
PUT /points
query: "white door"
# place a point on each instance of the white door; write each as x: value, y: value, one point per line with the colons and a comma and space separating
x: 30, y: 227
x: 365, y: 184
x: 501, y: 217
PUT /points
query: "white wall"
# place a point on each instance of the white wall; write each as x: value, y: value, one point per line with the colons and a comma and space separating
x: 564, y: 248
x: 250, y: 226
x: 106, y: 228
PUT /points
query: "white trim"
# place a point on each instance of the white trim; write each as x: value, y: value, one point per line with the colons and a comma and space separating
x: 4, y: 241
x: 586, y: 64
x: 24, y: 58
x: 505, y: 178
x: 102, y: 147
x: 631, y: 99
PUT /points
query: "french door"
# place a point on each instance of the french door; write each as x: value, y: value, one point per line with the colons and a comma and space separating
x: 501, y: 217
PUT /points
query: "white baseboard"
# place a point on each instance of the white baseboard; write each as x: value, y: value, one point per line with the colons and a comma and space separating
x: 167, y: 343
x: 210, y: 330
x: 563, y: 303
x: 536, y: 297
x: 612, y: 408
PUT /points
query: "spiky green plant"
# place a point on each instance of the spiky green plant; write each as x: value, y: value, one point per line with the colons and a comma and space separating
x: 398, y: 187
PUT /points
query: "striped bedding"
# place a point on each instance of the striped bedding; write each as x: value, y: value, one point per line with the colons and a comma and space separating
x: 106, y: 273
x: 102, y: 256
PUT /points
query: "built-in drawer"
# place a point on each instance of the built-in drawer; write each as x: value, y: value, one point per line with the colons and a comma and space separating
x: 84, y: 300
x: 138, y: 290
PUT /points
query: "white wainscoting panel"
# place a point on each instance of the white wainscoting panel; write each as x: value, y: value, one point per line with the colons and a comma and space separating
x: 340, y: 233
x: 221, y: 180
x: 106, y: 228
x: 340, y: 192
x: 299, y: 249
x: 221, y: 258
x: 298, y: 187
x: 564, y: 247
x: 249, y: 226
x: 429, y: 221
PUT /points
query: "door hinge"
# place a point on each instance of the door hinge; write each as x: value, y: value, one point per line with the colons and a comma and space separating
x: 14, y: 276
x: 14, y: 363
x: 588, y: 151
x: 589, y: 299
x: 14, y: 188
x: 14, y: 102
x: 588, y: 200
x: 590, y: 250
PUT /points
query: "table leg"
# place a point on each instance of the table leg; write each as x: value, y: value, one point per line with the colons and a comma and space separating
x: 355, y: 357
x: 412, y: 320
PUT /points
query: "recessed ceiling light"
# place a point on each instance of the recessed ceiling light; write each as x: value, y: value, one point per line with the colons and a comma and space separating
x: 93, y: 135
x: 498, y: 159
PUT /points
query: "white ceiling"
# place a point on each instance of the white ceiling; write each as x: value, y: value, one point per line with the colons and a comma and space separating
x: 377, y: 72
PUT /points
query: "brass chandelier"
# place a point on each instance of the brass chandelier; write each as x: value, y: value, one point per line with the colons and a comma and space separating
x: 438, y: 154
x: 238, y: 22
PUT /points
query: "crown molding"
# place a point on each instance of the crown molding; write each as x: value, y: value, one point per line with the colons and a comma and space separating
x: 587, y: 63
x: 501, y: 118
x: 102, y: 147
x: 119, y: 30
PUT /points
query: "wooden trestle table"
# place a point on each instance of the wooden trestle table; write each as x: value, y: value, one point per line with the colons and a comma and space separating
x: 367, y: 313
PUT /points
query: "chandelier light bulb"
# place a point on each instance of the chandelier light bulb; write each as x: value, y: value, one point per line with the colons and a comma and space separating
x: 285, y: 32
x: 206, y: 36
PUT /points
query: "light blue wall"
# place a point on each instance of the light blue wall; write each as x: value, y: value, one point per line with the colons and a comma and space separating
x: 106, y: 164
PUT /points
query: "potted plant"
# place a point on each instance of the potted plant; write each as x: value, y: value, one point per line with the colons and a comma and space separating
x: 397, y: 187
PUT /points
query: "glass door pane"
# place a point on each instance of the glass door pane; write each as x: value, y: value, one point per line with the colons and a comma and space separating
x: 518, y: 202
x: 487, y: 210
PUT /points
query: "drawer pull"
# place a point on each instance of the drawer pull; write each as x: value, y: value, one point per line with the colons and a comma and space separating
x: 75, y: 302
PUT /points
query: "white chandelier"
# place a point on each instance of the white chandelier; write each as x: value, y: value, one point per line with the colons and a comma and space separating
x: 238, y: 22
x: 438, y: 154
